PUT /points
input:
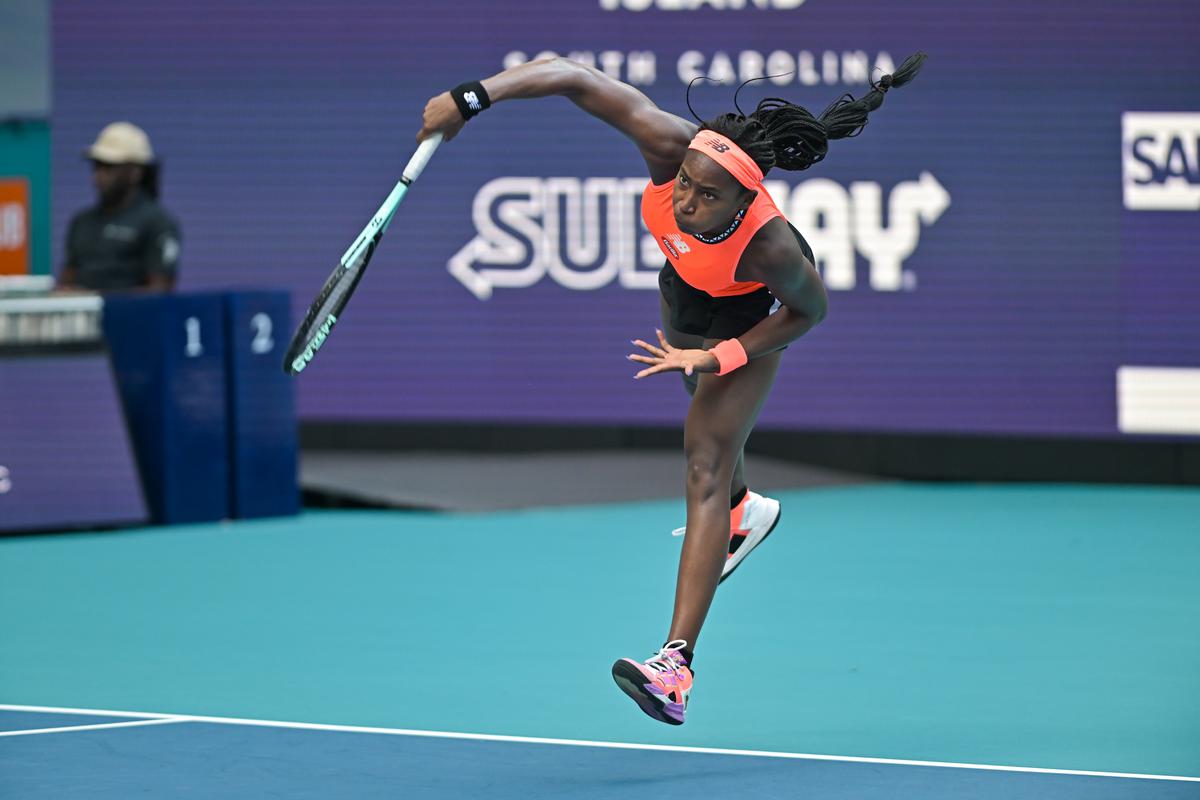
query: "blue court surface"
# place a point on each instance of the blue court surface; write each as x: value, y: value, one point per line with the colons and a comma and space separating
x: 197, y: 757
x: 888, y: 641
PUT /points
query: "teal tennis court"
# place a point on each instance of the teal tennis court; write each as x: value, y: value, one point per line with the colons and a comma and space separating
x: 276, y: 526
x: 1049, y: 628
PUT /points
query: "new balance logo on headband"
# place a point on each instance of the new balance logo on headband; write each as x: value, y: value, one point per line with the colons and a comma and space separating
x: 720, y: 147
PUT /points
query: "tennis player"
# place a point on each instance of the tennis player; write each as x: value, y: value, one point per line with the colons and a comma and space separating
x: 730, y: 256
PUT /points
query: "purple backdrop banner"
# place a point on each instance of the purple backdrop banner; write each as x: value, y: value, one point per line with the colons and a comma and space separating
x: 1009, y: 234
x: 65, y: 455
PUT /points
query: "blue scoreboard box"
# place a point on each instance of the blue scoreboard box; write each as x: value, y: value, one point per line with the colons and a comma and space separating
x: 168, y: 352
x: 211, y: 414
x: 261, y: 405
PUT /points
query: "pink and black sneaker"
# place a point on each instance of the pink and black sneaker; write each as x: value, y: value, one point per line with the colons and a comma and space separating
x: 659, y: 685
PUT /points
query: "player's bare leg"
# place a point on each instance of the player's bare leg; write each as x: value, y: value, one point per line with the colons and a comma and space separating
x: 722, y: 414
x: 752, y: 516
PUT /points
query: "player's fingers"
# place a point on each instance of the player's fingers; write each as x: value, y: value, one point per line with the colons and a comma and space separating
x: 655, y: 370
x: 649, y: 348
x: 662, y: 340
x: 447, y: 133
x: 643, y: 359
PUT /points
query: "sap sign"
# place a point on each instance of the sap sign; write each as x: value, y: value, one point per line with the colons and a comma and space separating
x: 1160, y: 162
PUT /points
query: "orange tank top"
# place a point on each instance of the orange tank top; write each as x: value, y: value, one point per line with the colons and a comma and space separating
x: 707, y: 267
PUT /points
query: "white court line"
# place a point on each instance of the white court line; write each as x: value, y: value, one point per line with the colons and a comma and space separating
x: 488, y: 737
x: 32, y: 731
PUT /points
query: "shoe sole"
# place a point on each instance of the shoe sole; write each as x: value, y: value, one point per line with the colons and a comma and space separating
x: 632, y: 682
x: 753, y: 546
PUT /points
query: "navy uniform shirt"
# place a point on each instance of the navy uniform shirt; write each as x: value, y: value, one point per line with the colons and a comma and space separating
x: 122, y: 249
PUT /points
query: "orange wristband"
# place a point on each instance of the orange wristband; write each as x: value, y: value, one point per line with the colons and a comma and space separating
x: 730, y: 355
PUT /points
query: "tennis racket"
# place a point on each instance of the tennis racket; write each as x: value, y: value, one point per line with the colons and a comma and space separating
x: 325, y: 311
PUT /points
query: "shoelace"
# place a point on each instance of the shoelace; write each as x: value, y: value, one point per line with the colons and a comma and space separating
x: 667, y: 659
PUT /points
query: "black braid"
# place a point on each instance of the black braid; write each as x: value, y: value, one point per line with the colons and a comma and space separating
x: 782, y: 134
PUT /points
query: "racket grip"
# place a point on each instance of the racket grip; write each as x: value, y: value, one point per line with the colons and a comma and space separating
x: 416, y: 164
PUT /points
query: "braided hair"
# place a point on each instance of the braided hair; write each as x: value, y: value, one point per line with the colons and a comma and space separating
x: 782, y: 134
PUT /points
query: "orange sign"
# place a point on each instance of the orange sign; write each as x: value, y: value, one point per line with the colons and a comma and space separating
x: 14, y: 226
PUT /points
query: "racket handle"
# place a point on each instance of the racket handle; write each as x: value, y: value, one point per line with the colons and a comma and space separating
x: 416, y: 164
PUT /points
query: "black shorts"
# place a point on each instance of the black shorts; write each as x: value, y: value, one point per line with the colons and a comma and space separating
x: 701, y: 314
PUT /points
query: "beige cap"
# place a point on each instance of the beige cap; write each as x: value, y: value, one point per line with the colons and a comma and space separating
x: 121, y: 143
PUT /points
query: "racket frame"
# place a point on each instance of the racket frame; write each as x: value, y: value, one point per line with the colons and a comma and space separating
x: 312, y: 333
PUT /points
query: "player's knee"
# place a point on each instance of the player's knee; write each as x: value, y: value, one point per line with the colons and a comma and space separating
x: 709, y: 466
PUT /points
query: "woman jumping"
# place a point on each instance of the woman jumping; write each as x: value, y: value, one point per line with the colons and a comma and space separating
x: 730, y: 255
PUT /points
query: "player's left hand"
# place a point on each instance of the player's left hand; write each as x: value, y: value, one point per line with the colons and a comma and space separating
x: 666, y: 358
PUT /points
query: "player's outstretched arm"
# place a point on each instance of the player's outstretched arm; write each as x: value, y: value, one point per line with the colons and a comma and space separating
x: 661, y: 137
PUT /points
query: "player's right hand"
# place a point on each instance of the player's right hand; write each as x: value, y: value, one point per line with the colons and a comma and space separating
x: 441, y: 115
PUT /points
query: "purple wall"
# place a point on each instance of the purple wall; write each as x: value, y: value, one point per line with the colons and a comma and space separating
x: 1009, y: 285
x: 64, y: 461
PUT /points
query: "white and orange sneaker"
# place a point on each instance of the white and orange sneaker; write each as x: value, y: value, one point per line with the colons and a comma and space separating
x: 660, y: 685
x: 749, y: 525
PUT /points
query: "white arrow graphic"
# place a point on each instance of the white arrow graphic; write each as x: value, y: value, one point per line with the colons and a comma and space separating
x: 481, y: 282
